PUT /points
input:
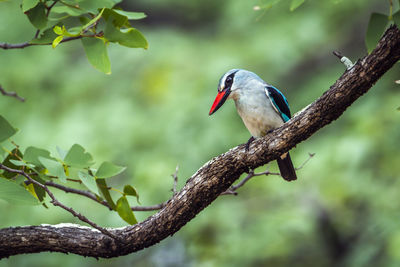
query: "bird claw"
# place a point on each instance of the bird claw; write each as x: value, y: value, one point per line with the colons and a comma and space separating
x: 247, y: 147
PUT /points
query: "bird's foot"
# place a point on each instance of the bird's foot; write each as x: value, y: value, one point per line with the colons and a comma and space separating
x: 247, y: 147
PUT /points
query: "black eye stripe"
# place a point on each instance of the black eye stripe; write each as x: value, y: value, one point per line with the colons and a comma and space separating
x: 229, y: 80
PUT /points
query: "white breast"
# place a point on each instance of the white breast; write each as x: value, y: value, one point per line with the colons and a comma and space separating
x: 257, y: 113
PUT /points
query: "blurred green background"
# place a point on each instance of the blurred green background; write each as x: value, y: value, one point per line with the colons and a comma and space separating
x: 151, y: 114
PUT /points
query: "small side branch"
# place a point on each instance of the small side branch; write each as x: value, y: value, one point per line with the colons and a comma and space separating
x: 175, y: 177
x: 26, y: 44
x: 310, y: 155
x: 347, y: 62
x: 93, y: 197
x: 251, y: 174
x: 12, y: 94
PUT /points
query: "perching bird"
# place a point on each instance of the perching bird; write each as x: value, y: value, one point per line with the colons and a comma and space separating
x: 261, y: 106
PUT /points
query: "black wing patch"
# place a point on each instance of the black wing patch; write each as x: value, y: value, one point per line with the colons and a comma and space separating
x: 279, y: 102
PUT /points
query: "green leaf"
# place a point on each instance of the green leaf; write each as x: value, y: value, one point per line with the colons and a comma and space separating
x: 93, y: 6
x: 84, y: 20
x: 28, y: 4
x: 8, y: 161
x: 21, y: 163
x: 39, y: 192
x: 73, y: 32
x: 58, y: 30
x: 32, y: 155
x: 130, y: 14
x: 61, y: 152
x: 295, y: 4
x: 54, y: 168
x: 6, y: 130
x: 57, y: 41
x: 77, y: 157
x: 129, y: 37
x: 72, y: 11
x: 16, y: 194
x: 37, y: 16
x: 376, y: 26
x: 102, y: 185
x: 117, y: 19
x: 46, y: 37
x: 108, y: 169
x: 89, y: 181
x: 396, y: 18
x: 96, y: 52
x: 131, y: 191
x: 124, y: 211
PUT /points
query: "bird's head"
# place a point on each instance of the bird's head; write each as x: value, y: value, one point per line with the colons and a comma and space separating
x: 224, y: 90
x: 231, y: 83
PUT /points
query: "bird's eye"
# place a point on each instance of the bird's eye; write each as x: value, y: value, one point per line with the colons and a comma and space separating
x: 228, y: 81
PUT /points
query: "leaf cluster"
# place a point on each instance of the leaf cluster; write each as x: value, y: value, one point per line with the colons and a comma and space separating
x: 96, y: 23
x: 74, y: 165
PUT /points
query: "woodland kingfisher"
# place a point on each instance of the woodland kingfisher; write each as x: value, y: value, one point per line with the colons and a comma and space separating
x: 261, y: 106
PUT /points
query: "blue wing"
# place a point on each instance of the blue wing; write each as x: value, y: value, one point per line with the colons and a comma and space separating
x: 279, y: 102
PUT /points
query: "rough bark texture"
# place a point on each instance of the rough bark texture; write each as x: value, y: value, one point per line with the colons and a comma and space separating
x: 214, y: 177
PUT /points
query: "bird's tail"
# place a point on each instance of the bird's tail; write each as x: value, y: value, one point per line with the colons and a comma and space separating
x: 286, y: 167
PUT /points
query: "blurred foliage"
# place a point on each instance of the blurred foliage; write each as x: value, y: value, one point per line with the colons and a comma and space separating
x: 151, y: 114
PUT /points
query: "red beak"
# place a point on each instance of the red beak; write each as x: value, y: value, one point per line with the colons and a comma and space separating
x: 219, y: 100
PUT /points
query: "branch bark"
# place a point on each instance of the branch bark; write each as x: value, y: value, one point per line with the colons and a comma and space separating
x: 215, y: 177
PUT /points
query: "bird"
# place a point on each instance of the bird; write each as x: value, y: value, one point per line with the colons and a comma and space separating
x: 261, y: 106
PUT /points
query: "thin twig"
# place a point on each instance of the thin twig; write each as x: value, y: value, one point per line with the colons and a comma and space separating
x: 47, y: 15
x: 347, y: 62
x: 50, y: 7
x: 55, y: 202
x: 233, y: 188
x: 36, y: 34
x: 12, y: 94
x: 78, y: 192
x: 26, y: 44
x: 338, y: 54
x: 175, y: 177
x: 102, y: 202
x: 310, y: 155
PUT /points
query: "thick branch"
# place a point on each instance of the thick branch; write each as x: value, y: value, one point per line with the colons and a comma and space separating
x: 216, y: 176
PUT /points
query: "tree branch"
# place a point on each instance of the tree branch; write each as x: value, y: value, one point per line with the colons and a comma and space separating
x: 55, y: 202
x: 26, y: 44
x: 216, y: 176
